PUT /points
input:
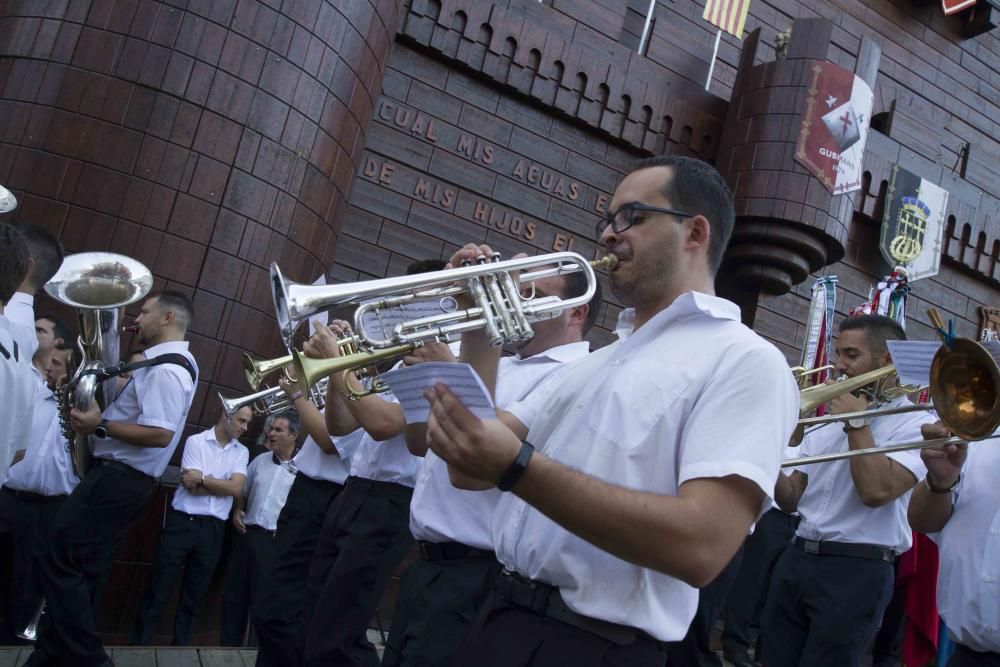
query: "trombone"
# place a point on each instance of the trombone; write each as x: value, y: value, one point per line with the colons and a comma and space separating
x: 494, y: 286
x: 965, y: 380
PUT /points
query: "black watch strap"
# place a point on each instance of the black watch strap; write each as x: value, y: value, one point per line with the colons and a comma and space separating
x: 934, y: 488
x: 102, y: 429
x: 513, y: 474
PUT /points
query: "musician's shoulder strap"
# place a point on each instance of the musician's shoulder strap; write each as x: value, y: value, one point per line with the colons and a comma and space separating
x: 168, y: 358
x: 7, y: 354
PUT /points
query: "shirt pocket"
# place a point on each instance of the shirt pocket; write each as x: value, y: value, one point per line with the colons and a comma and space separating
x: 633, y: 401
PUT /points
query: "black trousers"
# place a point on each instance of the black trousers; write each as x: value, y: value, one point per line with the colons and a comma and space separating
x: 506, y: 635
x: 966, y: 657
x: 189, y: 543
x: 746, y: 598
x: 823, y: 610
x: 437, y: 602
x: 28, y: 517
x: 86, y: 534
x: 694, y: 649
x: 365, y: 535
x: 277, y: 611
x: 253, y: 556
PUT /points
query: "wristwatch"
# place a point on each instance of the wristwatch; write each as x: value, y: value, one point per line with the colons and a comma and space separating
x: 855, y: 423
x: 101, y: 432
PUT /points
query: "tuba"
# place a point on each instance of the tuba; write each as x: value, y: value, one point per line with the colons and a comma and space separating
x: 7, y: 200
x: 98, y: 285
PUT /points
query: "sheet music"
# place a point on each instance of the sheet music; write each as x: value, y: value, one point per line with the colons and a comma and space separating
x: 912, y: 359
x: 380, y: 324
x: 408, y: 384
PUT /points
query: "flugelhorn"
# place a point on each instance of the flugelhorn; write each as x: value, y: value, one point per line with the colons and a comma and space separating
x: 499, y: 308
x: 256, y: 369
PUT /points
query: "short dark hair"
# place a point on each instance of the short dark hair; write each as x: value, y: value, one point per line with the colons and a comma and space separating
x: 878, y: 329
x: 698, y: 188
x: 44, y: 248
x: 59, y: 328
x: 179, y: 303
x: 575, y: 284
x: 72, y: 358
x: 294, y: 424
x: 13, y: 261
x: 425, y: 266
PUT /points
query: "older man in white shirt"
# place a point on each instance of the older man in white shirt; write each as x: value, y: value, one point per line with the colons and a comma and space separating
x: 832, y: 584
x: 652, y: 460
x: 255, y: 517
x: 443, y: 590
x: 36, y: 487
x: 134, y: 440
x: 958, y: 505
x: 213, y: 470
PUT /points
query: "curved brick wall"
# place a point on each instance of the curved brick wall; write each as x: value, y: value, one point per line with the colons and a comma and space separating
x: 206, y: 139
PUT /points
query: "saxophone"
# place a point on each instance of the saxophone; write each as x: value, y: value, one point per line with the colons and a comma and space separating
x: 98, y: 285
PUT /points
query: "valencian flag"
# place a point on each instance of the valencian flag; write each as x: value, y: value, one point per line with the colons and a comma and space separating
x: 913, y: 226
x: 728, y: 15
x: 834, y: 127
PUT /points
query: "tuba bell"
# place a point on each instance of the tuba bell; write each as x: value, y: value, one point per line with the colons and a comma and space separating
x: 8, y: 202
x: 98, y: 285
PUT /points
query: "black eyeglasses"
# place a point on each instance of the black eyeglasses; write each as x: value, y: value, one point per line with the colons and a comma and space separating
x: 625, y: 216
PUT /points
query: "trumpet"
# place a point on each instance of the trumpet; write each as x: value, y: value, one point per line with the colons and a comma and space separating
x: 965, y: 392
x: 499, y: 308
x: 256, y: 369
x: 30, y: 633
x: 268, y: 402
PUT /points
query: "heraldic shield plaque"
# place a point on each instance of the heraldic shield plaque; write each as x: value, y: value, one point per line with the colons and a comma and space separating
x: 913, y: 225
x: 834, y: 127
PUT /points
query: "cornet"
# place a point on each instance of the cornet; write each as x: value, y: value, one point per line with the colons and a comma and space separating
x: 499, y: 308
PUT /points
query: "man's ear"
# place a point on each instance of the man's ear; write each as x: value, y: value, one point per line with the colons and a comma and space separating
x: 700, y: 231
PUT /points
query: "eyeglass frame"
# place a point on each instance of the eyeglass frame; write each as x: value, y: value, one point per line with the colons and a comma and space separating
x: 609, y: 218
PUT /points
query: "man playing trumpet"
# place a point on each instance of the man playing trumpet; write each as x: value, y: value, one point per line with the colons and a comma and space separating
x: 634, y: 479
x: 833, y: 582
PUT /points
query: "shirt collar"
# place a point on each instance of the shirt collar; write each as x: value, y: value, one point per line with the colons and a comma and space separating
x: 166, y: 348
x: 689, y: 303
x: 210, y: 436
x: 562, y: 353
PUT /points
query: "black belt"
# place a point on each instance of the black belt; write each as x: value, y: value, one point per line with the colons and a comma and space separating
x: 382, y: 489
x: 195, y: 517
x: 432, y: 551
x: 118, y: 465
x: 253, y: 527
x: 34, y: 497
x: 867, y: 551
x: 545, y: 600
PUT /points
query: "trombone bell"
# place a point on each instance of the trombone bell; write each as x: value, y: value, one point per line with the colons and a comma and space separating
x: 964, y: 383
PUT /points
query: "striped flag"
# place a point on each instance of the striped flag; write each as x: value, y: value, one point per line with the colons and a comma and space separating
x: 728, y: 15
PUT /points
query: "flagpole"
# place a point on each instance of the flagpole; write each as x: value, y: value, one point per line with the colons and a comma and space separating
x: 715, y: 52
x: 645, y: 28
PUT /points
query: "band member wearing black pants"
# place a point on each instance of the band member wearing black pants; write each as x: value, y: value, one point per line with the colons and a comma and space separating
x: 133, y: 442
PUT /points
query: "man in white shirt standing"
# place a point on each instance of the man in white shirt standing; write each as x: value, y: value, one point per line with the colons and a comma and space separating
x: 255, y: 517
x: 213, y: 470
x: 832, y: 584
x: 445, y: 587
x: 652, y: 459
x: 36, y: 487
x: 133, y: 441
x: 958, y: 505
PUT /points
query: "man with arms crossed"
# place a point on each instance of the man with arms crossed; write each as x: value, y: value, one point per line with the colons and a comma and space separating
x: 133, y: 441
x: 654, y: 456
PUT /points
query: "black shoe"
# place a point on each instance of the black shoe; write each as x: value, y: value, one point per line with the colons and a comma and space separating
x: 738, y: 659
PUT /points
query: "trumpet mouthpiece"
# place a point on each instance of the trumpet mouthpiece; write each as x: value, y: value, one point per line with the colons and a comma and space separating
x: 607, y: 263
x: 132, y: 328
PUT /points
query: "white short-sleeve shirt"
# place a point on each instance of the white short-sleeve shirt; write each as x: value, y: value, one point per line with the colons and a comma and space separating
x: 47, y: 467
x: 266, y: 489
x: 157, y: 396
x: 386, y: 460
x: 968, y: 586
x: 20, y: 310
x: 314, y: 463
x: 831, y: 508
x: 441, y: 513
x: 17, y: 387
x: 665, y: 404
x: 203, y: 452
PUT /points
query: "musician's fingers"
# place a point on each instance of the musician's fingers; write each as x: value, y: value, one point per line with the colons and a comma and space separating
x: 934, y: 431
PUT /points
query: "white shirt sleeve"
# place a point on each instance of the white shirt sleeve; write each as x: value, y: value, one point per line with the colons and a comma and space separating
x: 731, y: 431
x: 909, y: 431
x: 163, y: 397
x: 241, y: 461
x: 20, y: 311
x: 191, y: 459
x: 528, y: 408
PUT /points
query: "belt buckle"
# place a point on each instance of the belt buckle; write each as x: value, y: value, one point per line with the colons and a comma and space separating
x: 810, y: 546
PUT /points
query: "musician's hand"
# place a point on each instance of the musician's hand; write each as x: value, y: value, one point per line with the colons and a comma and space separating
x: 944, y: 464
x: 480, y: 449
x: 429, y: 352
x: 288, y: 387
x: 84, y: 422
x: 191, y: 479
x: 847, y: 403
x: 238, y: 517
x: 323, y: 343
x: 469, y: 252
